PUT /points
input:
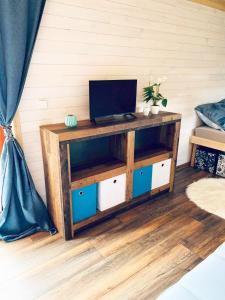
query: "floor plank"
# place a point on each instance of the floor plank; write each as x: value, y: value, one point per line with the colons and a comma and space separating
x: 135, y: 255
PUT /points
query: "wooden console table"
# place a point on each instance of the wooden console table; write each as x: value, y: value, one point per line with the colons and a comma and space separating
x: 88, y: 154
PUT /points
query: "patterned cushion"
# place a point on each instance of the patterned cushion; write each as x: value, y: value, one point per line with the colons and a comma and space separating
x: 206, y: 159
x: 212, y: 114
x: 221, y: 165
x: 206, y: 132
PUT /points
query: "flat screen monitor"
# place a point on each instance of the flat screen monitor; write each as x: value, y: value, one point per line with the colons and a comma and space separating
x: 112, y: 97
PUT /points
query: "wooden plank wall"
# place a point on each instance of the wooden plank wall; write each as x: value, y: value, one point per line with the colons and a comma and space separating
x: 102, y: 39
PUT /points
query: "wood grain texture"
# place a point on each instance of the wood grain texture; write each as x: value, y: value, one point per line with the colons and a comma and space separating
x: 207, y: 143
x: 65, y: 183
x: 52, y: 169
x: 174, y: 140
x: 118, y: 145
x: 151, y: 157
x: 218, y: 4
x: 86, y: 129
x: 130, y: 164
x: 97, y: 174
x: 135, y: 255
x: 193, y: 152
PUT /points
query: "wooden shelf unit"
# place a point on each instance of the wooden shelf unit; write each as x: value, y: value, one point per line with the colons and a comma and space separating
x: 121, y: 153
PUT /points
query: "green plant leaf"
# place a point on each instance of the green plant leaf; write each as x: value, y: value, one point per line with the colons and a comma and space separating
x: 164, y: 102
x: 149, y: 95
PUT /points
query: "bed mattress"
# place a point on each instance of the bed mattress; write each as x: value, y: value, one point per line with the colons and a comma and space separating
x: 210, y: 133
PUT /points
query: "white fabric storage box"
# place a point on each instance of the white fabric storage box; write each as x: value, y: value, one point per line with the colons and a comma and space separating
x: 111, y: 192
x: 161, y: 173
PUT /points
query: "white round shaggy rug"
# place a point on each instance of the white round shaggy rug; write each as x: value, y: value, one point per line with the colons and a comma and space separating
x: 208, y: 194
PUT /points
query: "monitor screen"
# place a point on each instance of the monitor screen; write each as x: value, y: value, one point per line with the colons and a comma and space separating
x: 112, y: 97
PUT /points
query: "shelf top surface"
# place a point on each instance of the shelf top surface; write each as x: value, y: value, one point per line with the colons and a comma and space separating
x: 86, y: 128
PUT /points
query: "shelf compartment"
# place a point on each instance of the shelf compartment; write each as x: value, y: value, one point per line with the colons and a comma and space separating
x: 102, y: 215
x: 153, y: 145
x: 96, y: 172
x: 95, y: 159
x: 156, y: 154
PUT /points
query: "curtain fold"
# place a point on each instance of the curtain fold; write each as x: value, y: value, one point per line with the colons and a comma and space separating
x: 23, y: 211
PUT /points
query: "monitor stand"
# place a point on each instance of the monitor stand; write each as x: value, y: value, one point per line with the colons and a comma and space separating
x: 114, y: 119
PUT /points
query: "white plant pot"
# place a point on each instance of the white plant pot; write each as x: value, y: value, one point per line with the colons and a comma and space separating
x: 147, y: 111
x: 140, y: 107
x: 146, y: 108
x: 155, y: 109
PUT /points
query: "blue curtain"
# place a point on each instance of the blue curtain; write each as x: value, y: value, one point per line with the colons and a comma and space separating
x: 23, y: 211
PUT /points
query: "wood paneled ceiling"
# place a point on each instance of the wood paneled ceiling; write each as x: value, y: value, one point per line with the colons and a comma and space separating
x: 218, y: 4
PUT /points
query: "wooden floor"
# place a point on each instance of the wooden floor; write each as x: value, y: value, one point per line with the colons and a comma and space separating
x: 133, y: 256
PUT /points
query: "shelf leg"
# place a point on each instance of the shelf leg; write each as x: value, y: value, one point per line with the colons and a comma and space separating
x: 175, y: 150
x: 130, y: 164
x: 194, y: 149
x: 66, y: 192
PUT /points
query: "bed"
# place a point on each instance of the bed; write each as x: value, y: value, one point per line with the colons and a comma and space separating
x: 207, y: 137
x: 213, y: 135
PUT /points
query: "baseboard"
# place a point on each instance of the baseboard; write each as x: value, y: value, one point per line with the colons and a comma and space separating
x: 183, y: 166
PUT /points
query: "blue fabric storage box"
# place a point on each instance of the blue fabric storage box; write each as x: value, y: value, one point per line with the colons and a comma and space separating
x: 142, y: 181
x: 84, y: 202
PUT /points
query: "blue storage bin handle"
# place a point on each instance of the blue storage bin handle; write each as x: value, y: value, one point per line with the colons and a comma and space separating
x: 81, y: 193
x: 142, y: 173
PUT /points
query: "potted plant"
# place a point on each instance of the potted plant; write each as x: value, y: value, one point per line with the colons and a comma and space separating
x: 152, y: 94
